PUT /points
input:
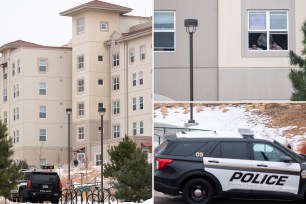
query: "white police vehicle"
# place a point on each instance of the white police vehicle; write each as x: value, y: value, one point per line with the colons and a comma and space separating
x: 203, y: 165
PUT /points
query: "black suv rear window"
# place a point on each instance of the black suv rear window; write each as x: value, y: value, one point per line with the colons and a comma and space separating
x: 186, y: 148
x: 230, y: 150
x: 44, y: 177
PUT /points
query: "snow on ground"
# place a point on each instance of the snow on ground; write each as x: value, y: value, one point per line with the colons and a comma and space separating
x: 225, y: 118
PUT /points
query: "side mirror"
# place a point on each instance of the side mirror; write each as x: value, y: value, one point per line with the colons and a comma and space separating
x: 286, y: 159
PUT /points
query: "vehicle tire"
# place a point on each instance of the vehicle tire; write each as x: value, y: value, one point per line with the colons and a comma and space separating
x: 55, y: 201
x: 197, y: 191
x: 22, y: 199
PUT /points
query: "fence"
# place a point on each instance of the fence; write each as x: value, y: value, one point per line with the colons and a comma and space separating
x: 88, y: 195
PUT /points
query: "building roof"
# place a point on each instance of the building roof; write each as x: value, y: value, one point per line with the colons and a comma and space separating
x: 21, y: 43
x: 96, y: 5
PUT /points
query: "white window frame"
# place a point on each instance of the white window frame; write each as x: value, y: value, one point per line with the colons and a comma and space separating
x: 81, y: 109
x: 42, y: 88
x: 80, y: 25
x: 41, y: 135
x: 116, y: 83
x: 80, y: 86
x: 13, y: 69
x: 142, y: 52
x: 140, y: 78
x: 132, y: 55
x: 42, y: 65
x: 17, y: 113
x: 116, y: 107
x: 4, y: 95
x: 134, y: 104
x: 165, y: 49
x: 43, y: 161
x: 98, y: 159
x: 17, y: 136
x: 116, y: 131
x: 141, y: 103
x: 141, y: 128
x: 80, y: 62
x: 4, y: 117
x: 102, y: 24
x: 134, y: 128
x: 116, y: 60
x: 268, y: 30
x: 81, y: 134
x: 134, y: 79
x: 42, y: 112
x: 18, y: 66
x: 17, y: 90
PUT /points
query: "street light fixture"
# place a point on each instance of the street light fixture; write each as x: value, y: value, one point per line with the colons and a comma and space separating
x: 191, y: 27
x: 68, y: 112
x: 101, y: 111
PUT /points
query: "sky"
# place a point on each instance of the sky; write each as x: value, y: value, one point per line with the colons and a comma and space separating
x: 38, y: 21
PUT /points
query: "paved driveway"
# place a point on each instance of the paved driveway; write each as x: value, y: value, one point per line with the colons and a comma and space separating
x: 160, y: 198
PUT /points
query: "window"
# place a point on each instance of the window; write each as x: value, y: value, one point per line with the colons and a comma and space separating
x: 225, y: 150
x: 42, y: 135
x: 100, y: 58
x: 134, y: 104
x: 115, y: 60
x: 132, y: 55
x: 164, y: 28
x: 80, y: 83
x: 81, y: 134
x: 100, y: 105
x: 103, y: 26
x: 100, y: 82
x: 17, y: 90
x: 140, y: 76
x: 14, y: 87
x: 142, y: 52
x: 134, y: 128
x: 116, y: 131
x: 43, y: 162
x: 18, y: 66
x: 80, y: 62
x: 81, y: 157
x: 80, y: 25
x: 4, y: 95
x: 116, y: 107
x: 5, y: 117
x: 141, y: 102
x: 5, y: 73
x: 134, y: 79
x: 98, y: 159
x: 13, y: 68
x: 42, y: 88
x: 141, y: 128
x: 42, y: 112
x: 16, y: 113
x: 116, y: 83
x: 268, y: 30
x: 16, y: 136
x: 81, y: 109
x: 42, y: 65
x: 266, y: 152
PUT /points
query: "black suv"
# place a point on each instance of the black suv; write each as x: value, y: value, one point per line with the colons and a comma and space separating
x: 38, y: 186
x: 203, y: 165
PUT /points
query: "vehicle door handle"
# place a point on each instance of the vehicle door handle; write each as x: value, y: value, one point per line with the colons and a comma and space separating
x: 213, y: 161
x: 262, y: 165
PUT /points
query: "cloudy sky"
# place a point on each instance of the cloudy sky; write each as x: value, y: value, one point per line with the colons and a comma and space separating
x: 38, y: 21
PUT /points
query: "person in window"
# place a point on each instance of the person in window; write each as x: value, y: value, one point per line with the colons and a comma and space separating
x: 254, y: 47
x: 262, y: 41
x: 275, y: 46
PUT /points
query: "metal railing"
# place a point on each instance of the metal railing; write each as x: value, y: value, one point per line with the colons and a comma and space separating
x: 88, y: 195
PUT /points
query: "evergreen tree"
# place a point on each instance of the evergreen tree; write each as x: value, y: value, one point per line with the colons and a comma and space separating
x: 9, y: 169
x: 298, y: 76
x: 134, y: 179
x: 118, y: 154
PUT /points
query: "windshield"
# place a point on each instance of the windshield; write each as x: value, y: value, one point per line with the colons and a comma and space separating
x: 290, y: 152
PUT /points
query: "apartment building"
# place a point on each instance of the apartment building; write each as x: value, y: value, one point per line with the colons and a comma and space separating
x: 107, y: 64
x: 35, y: 88
x: 111, y: 68
x: 225, y: 66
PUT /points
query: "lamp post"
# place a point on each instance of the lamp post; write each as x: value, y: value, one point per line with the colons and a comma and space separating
x: 69, y: 111
x: 101, y: 111
x: 191, y: 27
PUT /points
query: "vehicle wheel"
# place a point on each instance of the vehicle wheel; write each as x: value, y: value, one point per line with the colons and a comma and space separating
x: 197, y: 191
x: 55, y: 201
x: 21, y: 197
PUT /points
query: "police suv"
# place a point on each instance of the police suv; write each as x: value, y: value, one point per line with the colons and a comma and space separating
x: 203, y: 165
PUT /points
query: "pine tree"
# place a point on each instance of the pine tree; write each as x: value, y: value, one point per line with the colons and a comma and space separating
x: 9, y: 169
x: 134, y: 179
x: 298, y: 76
x: 118, y: 154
